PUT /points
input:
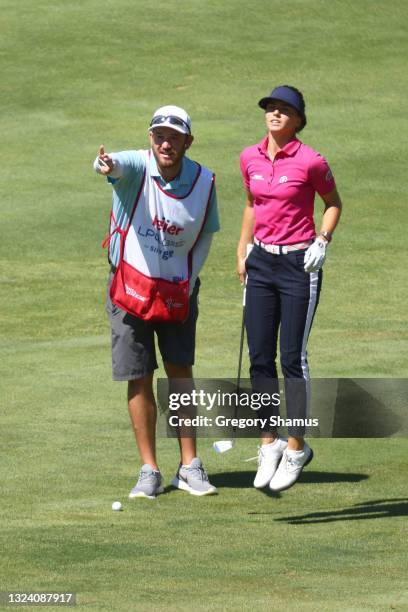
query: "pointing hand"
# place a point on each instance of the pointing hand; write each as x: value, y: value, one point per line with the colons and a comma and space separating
x: 105, y: 161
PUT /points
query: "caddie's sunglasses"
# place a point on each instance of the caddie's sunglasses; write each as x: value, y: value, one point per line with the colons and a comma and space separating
x: 171, y: 119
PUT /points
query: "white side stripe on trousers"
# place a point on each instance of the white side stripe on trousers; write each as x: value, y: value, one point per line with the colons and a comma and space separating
x: 314, y: 281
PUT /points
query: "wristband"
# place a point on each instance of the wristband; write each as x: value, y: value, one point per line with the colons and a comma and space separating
x: 326, y: 235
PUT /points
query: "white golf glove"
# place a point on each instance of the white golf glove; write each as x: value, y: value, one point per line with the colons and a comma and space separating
x: 315, y: 255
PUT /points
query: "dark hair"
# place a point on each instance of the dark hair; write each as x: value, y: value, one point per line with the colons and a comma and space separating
x: 303, y: 117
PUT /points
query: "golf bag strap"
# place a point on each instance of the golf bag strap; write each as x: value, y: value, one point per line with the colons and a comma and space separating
x: 106, y: 241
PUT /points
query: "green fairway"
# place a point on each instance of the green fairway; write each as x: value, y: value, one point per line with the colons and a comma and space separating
x: 76, y: 74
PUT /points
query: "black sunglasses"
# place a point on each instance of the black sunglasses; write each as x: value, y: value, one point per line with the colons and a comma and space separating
x: 171, y: 119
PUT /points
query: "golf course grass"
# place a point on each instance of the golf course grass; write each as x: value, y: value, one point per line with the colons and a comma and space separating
x: 76, y: 74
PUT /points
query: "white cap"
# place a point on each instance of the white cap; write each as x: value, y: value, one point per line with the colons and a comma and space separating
x: 173, y: 117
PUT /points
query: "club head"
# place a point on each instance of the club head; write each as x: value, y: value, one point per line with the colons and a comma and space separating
x: 222, y: 446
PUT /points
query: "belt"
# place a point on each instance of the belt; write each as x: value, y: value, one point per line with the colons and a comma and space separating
x: 280, y: 249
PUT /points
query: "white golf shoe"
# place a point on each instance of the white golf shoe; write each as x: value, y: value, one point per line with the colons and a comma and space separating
x: 269, y: 456
x: 290, y: 468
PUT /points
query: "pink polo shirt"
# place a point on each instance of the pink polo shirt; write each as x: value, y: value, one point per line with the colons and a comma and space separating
x: 284, y: 190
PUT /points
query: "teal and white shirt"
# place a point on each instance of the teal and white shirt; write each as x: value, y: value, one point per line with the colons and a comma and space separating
x: 126, y: 179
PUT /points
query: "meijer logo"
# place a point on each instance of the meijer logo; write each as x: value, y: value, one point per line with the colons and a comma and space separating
x: 164, y: 224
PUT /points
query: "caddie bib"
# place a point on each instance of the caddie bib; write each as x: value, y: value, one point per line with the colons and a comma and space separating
x: 153, y: 274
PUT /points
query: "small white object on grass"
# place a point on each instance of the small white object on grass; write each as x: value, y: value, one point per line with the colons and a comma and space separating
x: 222, y: 446
x: 116, y: 506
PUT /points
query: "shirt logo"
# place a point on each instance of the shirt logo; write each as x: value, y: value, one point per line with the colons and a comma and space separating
x: 165, y: 225
x: 283, y: 179
x: 329, y: 176
x: 257, y: 177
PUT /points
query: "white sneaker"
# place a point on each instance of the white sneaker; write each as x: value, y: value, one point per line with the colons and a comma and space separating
x: 269, y: 456
x: 290, y: 468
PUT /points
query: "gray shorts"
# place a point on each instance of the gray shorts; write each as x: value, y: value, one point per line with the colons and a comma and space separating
x: 133, y: 345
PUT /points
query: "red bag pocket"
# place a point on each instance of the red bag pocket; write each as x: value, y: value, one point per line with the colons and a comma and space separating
x: 150, y: 299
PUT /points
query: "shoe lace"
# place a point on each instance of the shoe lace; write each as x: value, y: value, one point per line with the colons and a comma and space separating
x: 198, y: 472
x: 145, y: 475
x: 260, y: 455
x: 291, y: 463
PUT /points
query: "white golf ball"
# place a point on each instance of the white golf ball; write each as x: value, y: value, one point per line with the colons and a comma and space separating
x: 116, y: 506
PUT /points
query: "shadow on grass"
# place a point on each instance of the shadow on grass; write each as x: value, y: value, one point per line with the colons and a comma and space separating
x: 231, y: 480
x: 245, y: 480
x: 379, y: 508
x: 238, y: 480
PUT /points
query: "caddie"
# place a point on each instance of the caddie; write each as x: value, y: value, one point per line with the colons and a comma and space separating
x: 164, y: 214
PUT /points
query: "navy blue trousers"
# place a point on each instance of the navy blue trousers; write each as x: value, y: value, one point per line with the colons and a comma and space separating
x: 281, y: 300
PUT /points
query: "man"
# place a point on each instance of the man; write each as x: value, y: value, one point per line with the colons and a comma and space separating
x: 164, y: 215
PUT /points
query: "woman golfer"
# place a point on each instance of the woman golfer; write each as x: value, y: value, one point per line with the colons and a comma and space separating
x: 284, y: 276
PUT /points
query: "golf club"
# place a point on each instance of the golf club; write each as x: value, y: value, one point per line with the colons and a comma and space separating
x: 222, y: 446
